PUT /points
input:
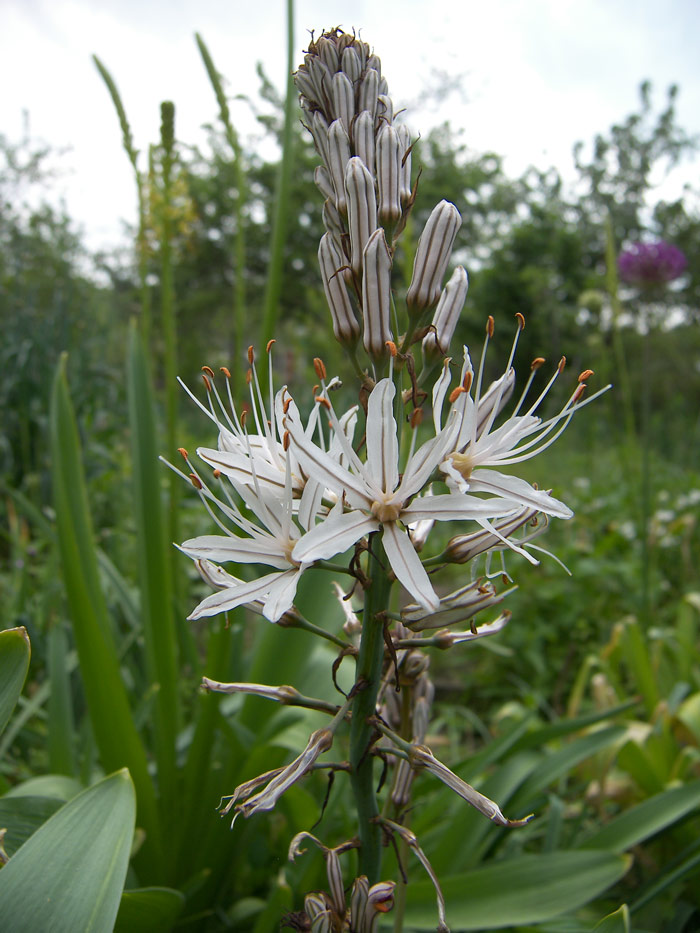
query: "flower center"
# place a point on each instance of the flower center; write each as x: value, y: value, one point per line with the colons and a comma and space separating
x: 386, y: 511
x: 463, y: 463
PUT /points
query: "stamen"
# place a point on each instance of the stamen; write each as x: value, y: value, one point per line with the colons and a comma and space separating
x: 537, y: 362
x: 251, y: 355
x: 225, y: 371
x: 562, y: 364
x: 455, y: 394
x: 416, y: 417
x: 195, y: 480
x: 323, y: 401
x: 269, y: 345
x: 183, y: 453
x: 391, y: 346
x: 216, y: 474
x: 467, y: 381
x: 320, y: 368
x: 205, y: 380
x: 490, y: 326
x: 209, y: 371
x: 520, y: 319
x: 586, y: 374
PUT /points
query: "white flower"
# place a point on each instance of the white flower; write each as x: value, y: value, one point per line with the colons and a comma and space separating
x: 375, y: 496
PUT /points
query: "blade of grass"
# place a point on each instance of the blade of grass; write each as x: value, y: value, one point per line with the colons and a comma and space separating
x: 239, y: 310
x: 61, y: 723
x: 160, y: 640
x: 118, y: 741
x: 273, y: 288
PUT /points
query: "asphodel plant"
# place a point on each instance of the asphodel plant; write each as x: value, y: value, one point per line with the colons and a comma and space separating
x: 419, y: 439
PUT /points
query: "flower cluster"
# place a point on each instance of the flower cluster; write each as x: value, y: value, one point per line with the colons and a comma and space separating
x: 649, y: 264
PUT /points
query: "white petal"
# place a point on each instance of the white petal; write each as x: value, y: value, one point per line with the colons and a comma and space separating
x: 382, y: 442
x: 242, y: 550
x: 455, y: 507
x: 520, y: 491
x: 425, y: 460
x: 407, y: 566
x: 234, y: 596
x: 281, y: 595
x: 333, y: 536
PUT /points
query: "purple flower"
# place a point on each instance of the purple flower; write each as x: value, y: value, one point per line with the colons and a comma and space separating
x: 648, y: 264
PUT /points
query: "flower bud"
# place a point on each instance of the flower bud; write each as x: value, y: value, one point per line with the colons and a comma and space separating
x: 450, y: 305
x: 338, y: 158
x: 388, y: 158
x: 362, y: 209
x: 304, y: 84
x: 343, y: 97
x: 405, y: 150
x: 324, y: 182
x: 380, y: 900
x: 369, y: 89
x: 432, y: 255
x: 358, y: 901
x: 363, y: 138
x: 351, y: 64
x: 376, y: 294
x: 345, y: 325
x: 385, y: 109
x: 329, y: 54
x: 318, y: 127
x: 458, y: 607
x: 463, y: 548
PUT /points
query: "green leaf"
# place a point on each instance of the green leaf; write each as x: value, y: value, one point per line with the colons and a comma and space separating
x: 59, y: 786
x: 70, y: 873
x: 160, y: 639
x: 617, y: 922
x: 647, y: 818
x: 527, y: 889
x: 15, y: 651
x: 149, y: 910
x: 118, y: 741
x: 22, y: 816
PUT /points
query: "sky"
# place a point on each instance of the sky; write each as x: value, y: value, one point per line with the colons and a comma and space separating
x: 537, y: 75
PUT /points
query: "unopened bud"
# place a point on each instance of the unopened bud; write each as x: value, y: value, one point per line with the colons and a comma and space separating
x: 385, y: 109
x: 376, y: 294
x: 318, y: 128
x: 345, y: 325
x: 351, y: 63
x: 343, y: 97
x: 369, y: 90
x: 338, y: 157
x: 432, y: 255
x: 447, y: 314
x: 363, y: 137
x: 405, y: 151
x: 328, y: 53
x: 324, y: 183
x: 362, y: 209
x: 388, y: 158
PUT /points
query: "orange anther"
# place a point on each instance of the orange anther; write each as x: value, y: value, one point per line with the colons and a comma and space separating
x: 225, y: 371
x: 269, y: 345
x: 320, y: 368
x: 455, y: 394
x: 391, y: 346
x: 209, y: 371
x: 285, y: 405
x: 467, y: 382
x: 586, y: 374
x: 196, y: 481
x: 322, y: 401
x: 490, y: 326
x: 216, y: 474
x: 286, y: 440
x: 416, y: 417
x: 536, y: 363
x: 520, y: 319
x: 182, y: 452
x: 205, y: 380
x: 562, y: 364
x: 251, y: 355
x: 580, y: 389
x: 248, y: 376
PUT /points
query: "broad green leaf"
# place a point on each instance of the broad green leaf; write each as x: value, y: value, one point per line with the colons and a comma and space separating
x: 278, y: 903
x: 616, y: 922
x: 14, y: 664
x: 689, y: 715
x: 562, y: 761
x: 118, y: 741
x: 69, y: 874
x: 149, y: 910
x: 527, y: 889
x: 647, y: 818
x: 61, y: 730
x: 22, y: 816
x: 58, y: 786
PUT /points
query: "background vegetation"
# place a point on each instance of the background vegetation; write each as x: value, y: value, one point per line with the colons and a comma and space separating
x: 586, y: 710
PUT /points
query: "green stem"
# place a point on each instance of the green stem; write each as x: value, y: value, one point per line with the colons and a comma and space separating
x: 368, y: 678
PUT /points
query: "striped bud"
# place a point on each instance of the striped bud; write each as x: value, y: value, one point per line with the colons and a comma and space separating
x: 363, y: 138
x: 376, y: 294
x: 351, y: 64
x: 389, y: 175
x: 380, y: 900
x: 329, y: 54
x: 338, y: 157
x: 405, y: 149
x: 343, y: 97
x: 318, y: 128
x: 304, y: 84
x: 449, y: 307
x: 361, y: 207
x: 432, y: 255
x: 345, y: 325
x: 320, y: 76
x: 324, y: 182
x: 358, y: 902
x: 369, y: 90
